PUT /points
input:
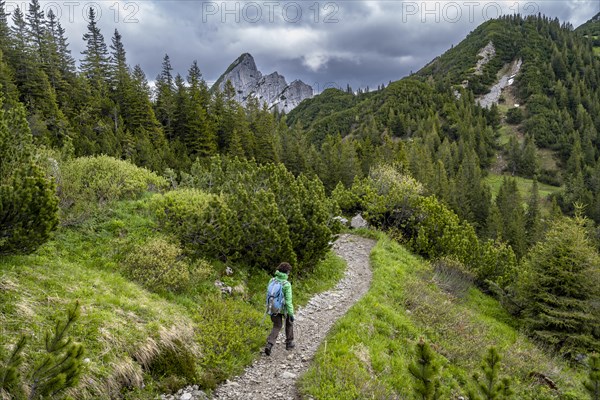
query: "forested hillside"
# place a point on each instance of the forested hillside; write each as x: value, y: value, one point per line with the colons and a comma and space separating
x: 142, y: 221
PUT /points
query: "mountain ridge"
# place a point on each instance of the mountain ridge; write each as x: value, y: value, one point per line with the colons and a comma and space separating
x: 273, y: 89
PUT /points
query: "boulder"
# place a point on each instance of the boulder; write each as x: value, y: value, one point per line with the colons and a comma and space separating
x: 358, y: 222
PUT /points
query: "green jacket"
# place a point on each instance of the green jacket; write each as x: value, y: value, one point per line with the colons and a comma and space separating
x: 287, y: 292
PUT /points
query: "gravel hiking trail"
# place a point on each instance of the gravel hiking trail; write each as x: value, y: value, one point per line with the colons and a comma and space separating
x: 275, y: 376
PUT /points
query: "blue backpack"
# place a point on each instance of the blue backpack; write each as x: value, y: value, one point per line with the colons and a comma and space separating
x: 275, y: 298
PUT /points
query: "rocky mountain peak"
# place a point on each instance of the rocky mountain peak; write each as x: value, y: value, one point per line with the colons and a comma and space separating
x: 272, y: 89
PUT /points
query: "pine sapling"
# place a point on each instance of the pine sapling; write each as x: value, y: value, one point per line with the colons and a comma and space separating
x: 592, y: 385
x: 10, y: 378
x: 425, y: 372
x: 61, y: 366
x: 490, y: 387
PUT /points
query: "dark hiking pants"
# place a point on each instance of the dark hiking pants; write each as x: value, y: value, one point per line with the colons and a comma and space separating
x: 277, y: 324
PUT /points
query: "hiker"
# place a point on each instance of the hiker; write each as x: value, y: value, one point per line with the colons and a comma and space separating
x: 280, y: 306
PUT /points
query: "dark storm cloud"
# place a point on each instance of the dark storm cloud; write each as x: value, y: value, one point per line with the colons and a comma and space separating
x: 321, y: 42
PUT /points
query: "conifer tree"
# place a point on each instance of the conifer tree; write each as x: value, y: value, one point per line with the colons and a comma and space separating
x: 533, y: 216
x: 36, y: 27
x: 66, y: 63
x: 200, y: 134
x: 10, y: 378
x: 165, y: 98
x: 58, y: 369
x: 5, y: 35
x: 529, y: 165
x: 61, y: 366
x: 490, y: 386
x: 341, y: 162
x: 35, y: 90
x: 28, y: 202
x: 514, y: 155
x: 19, y: 33
x: 95, y: 61
x: 513, y: 216
x: 263, y: 128
x: 424, y: 371
x: 60, y: 66
x: 559, y: 288
x: 119, y: 70
x: 592, y: 385
x: 7, y: 88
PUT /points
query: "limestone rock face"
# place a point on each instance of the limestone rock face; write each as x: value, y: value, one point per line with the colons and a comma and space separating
x: 293, y: 95
x: 271, y: 89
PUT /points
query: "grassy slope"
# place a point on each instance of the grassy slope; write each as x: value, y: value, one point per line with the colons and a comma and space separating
x: 119, y: 319
x: 367, y: 352
x: 523, y: 184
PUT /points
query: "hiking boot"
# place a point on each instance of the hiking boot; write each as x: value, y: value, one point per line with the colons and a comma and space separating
x: 268, y: 349
x: 289, y: 346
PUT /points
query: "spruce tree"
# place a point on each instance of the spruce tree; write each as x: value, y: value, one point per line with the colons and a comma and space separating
x: 533, y: 216
x: 95, y: 61
x: 592, y: 385
x: 529, y: 164
x: 60, y: 66
x: 424, y: 371
x: 513, y: 216
x: 559, y: 289
x: 200, y: 139
x: 5, y: 35
x: 263, y: 129
x: 490, y: 386
x: 165, y: 98
x: 180, y: 114
x: 66, y: 63
x: 119, y: 71
x: 28, y: 202
x: 36, y: 26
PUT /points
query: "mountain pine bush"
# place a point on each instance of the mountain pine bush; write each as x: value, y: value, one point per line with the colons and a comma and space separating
x: 28, y: 202
x: 425, y: 371
x: 242, y: 226
x: 58, y: 368
x: 592, y: 385
x: 276, y: 215
x: 490, y: 386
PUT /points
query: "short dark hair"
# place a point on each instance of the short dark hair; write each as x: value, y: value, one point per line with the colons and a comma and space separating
x: 284, y: 267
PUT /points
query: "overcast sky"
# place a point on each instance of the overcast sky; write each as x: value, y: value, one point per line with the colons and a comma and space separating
x: 324, y: 43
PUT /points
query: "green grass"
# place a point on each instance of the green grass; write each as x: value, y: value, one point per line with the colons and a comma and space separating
x: 524, y: 185
x: 367, y: 352
x: 597, y: 51
x: 121, y: 323
x: 504, y: 134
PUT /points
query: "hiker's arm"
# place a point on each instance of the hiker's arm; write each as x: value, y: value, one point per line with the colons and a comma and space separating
x: 289, y: 306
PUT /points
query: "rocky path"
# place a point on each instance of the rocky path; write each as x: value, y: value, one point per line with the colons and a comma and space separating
x: 275, y: 377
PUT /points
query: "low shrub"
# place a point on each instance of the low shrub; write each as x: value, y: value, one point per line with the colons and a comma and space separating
x: 514, y: 116
x: 270, y: 215
x: 230, y: 336
x: 177, y: 353
x: 395, y: 203
x: 452, y: 277
x: 102, y: 179
x: 244, y: 227
x: 160, y: 265
x: 346, y: 199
